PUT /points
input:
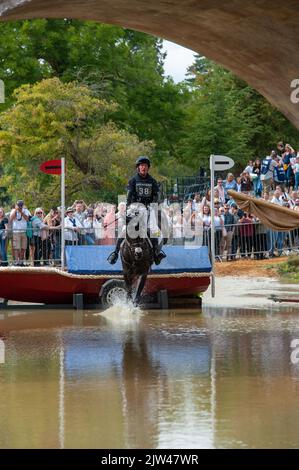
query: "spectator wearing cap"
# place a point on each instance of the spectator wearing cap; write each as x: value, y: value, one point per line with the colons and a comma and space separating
x: 72, y: 227
x: 18, y: 218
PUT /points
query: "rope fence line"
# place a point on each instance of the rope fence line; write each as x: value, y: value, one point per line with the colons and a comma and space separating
x: 49, y: 270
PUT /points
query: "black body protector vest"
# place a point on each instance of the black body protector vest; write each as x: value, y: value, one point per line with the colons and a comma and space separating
x: 143, y: 190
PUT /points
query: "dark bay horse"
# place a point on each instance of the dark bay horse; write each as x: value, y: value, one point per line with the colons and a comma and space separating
x: 136, y: 256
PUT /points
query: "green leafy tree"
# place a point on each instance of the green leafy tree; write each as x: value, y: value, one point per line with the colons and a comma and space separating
x: 117, y: 64
x: 226, y: 116
x: 52, y: 119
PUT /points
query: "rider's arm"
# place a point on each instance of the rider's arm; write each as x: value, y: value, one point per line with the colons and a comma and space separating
x: 131, y: 194
x: 156, y: 190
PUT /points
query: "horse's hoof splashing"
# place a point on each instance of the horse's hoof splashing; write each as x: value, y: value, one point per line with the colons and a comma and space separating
x: 122, y: 312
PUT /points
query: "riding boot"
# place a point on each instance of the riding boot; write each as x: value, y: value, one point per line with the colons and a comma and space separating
x: 113, y: 257
x: 158, y: 255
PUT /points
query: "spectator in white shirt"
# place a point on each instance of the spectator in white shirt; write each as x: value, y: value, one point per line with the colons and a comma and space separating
x: 220, y: 189
x: 72, y: 227
x: 249, y: 168
x: 276, y: 198
x: 18, y: 218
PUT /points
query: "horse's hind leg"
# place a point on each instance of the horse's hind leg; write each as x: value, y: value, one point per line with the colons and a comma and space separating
x: 140, y: 286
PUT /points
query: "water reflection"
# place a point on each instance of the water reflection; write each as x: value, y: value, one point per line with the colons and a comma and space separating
x: 163, y: 380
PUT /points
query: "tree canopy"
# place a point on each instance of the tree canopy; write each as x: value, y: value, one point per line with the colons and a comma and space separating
x: 226, y: 116
x: 52, y: 119
x: 98, y: 94
x: 118, y: 64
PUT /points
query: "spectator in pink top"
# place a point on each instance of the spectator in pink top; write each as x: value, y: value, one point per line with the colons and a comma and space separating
x: 109, y: 226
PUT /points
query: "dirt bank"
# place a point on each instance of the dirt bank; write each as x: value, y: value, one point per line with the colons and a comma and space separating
x: 249, y: 268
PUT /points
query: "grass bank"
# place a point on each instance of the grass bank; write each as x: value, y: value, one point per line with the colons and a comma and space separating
x: 289, y: 269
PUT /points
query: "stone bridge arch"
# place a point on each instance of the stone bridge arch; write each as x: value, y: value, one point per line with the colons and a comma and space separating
x: 256, y: 39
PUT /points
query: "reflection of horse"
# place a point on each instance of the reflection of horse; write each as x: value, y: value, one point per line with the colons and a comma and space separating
x: 136, y: 256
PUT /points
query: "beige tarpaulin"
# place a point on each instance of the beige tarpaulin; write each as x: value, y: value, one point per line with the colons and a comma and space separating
x: 272, y: 215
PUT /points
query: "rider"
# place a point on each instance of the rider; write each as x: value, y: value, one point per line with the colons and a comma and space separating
x: 144, y: 189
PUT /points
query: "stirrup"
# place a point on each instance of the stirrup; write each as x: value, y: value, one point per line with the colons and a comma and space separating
x: 113, y: 257
x: 159, y: 257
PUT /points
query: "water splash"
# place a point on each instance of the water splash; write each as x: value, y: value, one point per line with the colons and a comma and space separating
x: 122, y: 314
x: 10, y: 5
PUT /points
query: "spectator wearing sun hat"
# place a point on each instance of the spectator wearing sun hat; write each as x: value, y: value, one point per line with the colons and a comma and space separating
x: 72, y: 227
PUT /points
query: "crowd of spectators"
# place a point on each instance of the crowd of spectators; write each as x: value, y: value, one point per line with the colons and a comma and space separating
x: 274, y: 178
x: 34, y: 237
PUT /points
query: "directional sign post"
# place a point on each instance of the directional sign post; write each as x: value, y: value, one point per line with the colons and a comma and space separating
x: 217, y: 163
x: 62, y: 209
x: 57, y: 167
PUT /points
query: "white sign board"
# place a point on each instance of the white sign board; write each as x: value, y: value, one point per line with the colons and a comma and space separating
x: 220, y: 162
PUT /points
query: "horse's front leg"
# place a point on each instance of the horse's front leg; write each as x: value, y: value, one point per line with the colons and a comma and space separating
x: 129, y: 282
x: 140, y: 286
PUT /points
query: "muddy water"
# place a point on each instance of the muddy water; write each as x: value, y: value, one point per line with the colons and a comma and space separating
x: 220, y: 377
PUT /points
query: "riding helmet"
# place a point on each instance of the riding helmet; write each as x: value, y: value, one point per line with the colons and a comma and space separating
x: 143, y: 159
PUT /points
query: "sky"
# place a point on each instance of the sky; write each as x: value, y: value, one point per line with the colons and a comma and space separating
x: 177, y: 61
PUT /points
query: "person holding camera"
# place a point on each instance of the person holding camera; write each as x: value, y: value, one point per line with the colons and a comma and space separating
x: 18, y: 218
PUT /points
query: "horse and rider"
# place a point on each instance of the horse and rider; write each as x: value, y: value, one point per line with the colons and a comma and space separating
x: 143, y: 190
